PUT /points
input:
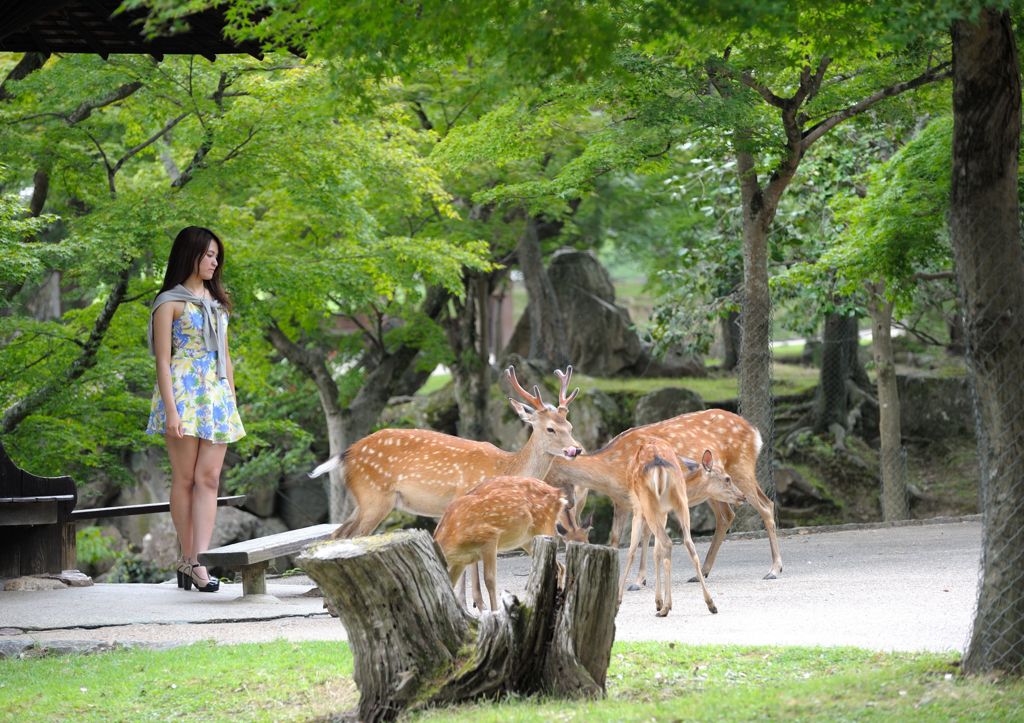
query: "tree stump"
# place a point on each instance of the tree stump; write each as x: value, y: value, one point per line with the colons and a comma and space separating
x: 414, y: 645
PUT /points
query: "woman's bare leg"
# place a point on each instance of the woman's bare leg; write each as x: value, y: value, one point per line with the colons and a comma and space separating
x: 183, y: 453
x: 204, y: 496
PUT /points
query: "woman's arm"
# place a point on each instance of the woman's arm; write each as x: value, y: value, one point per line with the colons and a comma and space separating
x: 229, y: 365
x: 163, y: 317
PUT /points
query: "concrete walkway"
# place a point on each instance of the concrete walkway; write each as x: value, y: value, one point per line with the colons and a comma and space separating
x: 886, y: 588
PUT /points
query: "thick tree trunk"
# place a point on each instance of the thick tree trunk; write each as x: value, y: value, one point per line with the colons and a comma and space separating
x: 414, y: 645
x: 985, y: 233
x: 893, y: 464
x: 471, y: 372
x: 755, y: 363
x: 841, y: 379
x: 731, y: 340
x: 547, y: 329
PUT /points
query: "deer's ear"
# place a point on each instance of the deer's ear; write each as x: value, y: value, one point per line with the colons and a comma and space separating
x: 525, y: 413
x: 690, y: 465
x: 706, y: 460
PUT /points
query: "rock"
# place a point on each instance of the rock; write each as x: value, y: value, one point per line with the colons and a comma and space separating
x: 601, y: 337
x: 72, y: 578
x: 303, y: 501
x: 160, y: 544
x: 30, y: 584
x: 150, y: 468
x: 14, y: 648
x: 666, y: 403
x: 261, y: 498
x: 935, y: 407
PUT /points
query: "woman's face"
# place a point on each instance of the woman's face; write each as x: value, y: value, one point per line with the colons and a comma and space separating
x: 208, y: 262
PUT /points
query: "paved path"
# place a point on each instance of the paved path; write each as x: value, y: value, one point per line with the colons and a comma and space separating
x: 887, y: 588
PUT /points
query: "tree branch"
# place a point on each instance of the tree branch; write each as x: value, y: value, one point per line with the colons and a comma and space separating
x: 84, y: 110
x: 152, y: 139
x: 939, y: 72
x: 17, y: 412
x: 28, y: 63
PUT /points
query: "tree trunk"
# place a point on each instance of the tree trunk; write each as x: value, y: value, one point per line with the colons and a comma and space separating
x: 755, y: 363
x: 893, y: 458
x: 547, y: 330
x: 471, y: 372
x: 985, y: 234
x: 414, y: 646
x: 731, y: 339
x: 841, y: 375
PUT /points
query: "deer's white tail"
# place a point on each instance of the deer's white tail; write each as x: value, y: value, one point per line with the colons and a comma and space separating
x: 327, y: 466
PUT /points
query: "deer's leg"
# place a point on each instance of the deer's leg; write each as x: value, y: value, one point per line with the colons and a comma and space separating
x: 490, y: 559
x: 618, y: 524
x: 723, y: 521
x: 372, y: 512
x: 641, y: 573
x: 766, y: 509
x: 478, y: 596
x: 347, y: 527
x: 662, y: 568
x: 683, y: 515
x: 634, y: 540
x: 455, y: 571
x: 580, y: 493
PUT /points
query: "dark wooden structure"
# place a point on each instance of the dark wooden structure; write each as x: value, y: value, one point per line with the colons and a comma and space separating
x: 37, y: 534
x: 38, y: 516
x: 91, y: 26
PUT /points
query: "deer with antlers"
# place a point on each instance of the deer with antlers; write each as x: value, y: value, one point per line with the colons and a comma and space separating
x: 735, y: 444
x: 658, y: 485
x: 422, y: 471
x: 500, y: 514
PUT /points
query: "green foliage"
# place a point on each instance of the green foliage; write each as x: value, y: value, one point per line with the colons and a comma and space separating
x: 320, y: 212
x: 93, y: 547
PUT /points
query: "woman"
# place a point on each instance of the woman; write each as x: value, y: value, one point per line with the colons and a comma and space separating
x: 194, y: 401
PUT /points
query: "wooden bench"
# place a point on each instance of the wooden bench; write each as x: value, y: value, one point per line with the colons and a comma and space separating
x: 36, y: 531
x: 252, y: 557
x: 38, y: 516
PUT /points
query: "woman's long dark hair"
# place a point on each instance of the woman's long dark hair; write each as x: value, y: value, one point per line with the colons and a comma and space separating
x: 189, y: 246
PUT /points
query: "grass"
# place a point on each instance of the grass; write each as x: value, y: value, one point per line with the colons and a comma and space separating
x: 786, y: 379
x: 646, y: 681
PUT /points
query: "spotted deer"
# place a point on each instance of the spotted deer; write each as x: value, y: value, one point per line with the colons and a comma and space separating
x: 422, y: 471
x: 500, y: 514
x: 735, y: 444
x: 658, y: 485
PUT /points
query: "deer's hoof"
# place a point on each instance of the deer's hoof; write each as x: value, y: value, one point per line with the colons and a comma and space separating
x: 713, y: 608
x: 662, y: 612
x: 633, y: 587
x: 771, y: 576
x: 694, y: 579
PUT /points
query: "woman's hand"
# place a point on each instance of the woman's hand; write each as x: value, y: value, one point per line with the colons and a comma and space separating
x: 174, y: 428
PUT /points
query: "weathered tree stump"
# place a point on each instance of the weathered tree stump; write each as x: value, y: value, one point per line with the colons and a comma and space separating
x: 415, y: 646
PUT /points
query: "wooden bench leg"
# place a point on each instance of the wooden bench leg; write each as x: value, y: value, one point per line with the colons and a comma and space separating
x: 254, y: 579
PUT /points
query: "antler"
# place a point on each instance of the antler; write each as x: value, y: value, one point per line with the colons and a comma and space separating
x: 564, y: 377
x: 534, y: 399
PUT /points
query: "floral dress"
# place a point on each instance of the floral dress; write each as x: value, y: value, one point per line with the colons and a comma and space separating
x: 205, y: 403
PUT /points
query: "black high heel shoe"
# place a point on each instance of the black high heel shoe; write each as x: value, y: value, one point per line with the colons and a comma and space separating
x: 182, y: 568
x: 211, y: 584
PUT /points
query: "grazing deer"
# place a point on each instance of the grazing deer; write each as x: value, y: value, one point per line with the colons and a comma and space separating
x: 735, y: 444
x: 422, y: 471
x: 657, y: 485
x: 500, y: 514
